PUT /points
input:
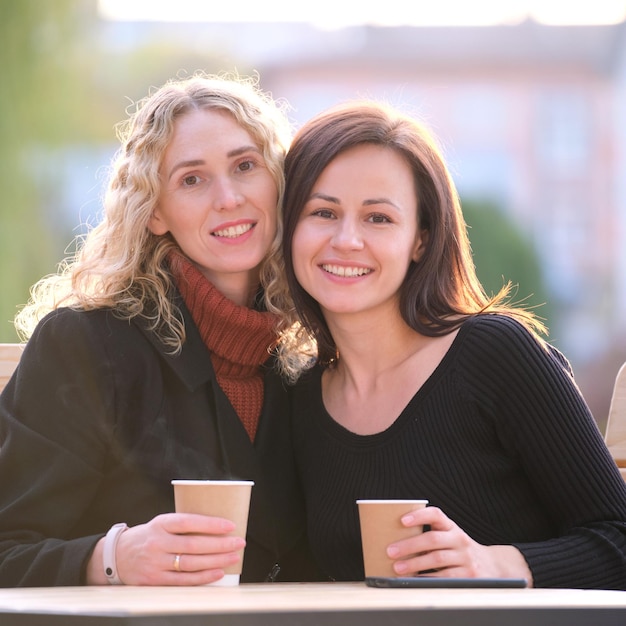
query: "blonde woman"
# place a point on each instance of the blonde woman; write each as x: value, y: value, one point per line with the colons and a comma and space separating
x: 149, y: 359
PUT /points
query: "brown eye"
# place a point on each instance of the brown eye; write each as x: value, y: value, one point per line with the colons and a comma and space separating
x: 246, y: 166
x: 379, y: 218
x: 325, y: 213
x: 189, y: 181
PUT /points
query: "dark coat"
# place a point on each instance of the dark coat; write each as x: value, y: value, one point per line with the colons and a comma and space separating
x: 96, y: 422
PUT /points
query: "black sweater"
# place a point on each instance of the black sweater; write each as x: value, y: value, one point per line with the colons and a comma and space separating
x: 500, y: 438
x: 96, y: 422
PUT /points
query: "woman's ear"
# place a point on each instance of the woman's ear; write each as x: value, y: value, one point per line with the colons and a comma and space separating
x: 420, y: 245
x: 156, y: 225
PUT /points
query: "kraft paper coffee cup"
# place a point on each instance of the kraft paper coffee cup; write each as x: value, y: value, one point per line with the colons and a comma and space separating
x: 229, y: 499
x: 380, y: 527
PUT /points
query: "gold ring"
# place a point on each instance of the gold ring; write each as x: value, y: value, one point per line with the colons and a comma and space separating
x: 177, y: 563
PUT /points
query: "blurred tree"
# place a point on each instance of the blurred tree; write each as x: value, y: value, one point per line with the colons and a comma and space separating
x: 63, y: 90
x: 40, y: 106
x: 502, y: 253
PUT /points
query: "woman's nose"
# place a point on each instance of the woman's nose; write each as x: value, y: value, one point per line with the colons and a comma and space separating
x: 226, y: 194
x: 347, y: 235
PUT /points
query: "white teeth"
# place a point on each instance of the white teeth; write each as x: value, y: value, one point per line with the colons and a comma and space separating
x: 348, y: 272
x: 233, y: 231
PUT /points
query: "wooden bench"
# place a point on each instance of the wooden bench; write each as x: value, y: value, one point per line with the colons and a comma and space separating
x: 10, y: 354
x: 615, y: 435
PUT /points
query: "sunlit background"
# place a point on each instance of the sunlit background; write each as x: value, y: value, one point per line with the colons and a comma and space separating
x: 333, y: 14
x: 528, y: 99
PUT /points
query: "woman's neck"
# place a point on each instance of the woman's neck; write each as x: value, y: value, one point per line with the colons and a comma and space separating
x: 371, y: 345
x: 240, y: 288
x: 382, y: 364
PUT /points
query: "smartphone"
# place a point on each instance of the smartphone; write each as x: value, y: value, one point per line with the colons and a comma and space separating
x: 430, y: 582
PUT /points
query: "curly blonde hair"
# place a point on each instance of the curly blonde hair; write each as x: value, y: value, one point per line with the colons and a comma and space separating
x: 120, y: 264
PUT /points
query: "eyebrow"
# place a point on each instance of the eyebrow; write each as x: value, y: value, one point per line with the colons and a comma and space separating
x: 196, y: 162
x: 368, y: 202
x: 323, y: 196
x: 182, y: 164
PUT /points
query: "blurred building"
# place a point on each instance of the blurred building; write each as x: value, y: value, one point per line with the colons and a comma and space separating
x: 530, y: 116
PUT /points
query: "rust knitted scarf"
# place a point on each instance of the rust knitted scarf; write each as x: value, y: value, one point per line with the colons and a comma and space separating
x: 238, y: 338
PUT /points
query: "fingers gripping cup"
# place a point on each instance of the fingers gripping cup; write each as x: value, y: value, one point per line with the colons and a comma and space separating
x: 381, y: 526
x: 229, y: 499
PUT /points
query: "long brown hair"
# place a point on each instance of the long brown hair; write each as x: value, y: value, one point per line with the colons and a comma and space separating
x: 441, y: 289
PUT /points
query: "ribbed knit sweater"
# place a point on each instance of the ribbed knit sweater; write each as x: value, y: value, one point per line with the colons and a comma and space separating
x: 239, y: 339
x: 500, y: 438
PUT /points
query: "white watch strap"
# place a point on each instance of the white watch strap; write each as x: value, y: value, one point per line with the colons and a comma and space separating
x: 108, y: 555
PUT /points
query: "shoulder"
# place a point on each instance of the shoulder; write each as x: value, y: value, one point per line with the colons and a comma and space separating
x: 502, y: 343
x: 496, y: 324
x: 497, y: 331
x: 86, y: 336
x: 309, y: 379
x: 306, y: 392
x: 67, y: 321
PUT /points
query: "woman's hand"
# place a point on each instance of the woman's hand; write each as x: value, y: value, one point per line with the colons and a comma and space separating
x: 446, y: 551
x: 146, y: 554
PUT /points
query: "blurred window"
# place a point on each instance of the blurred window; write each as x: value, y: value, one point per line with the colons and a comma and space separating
x: 563, y: 130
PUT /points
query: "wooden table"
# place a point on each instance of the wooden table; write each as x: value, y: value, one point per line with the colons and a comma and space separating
x: 305, y: 604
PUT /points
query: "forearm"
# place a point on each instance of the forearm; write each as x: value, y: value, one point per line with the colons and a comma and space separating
x: 510, y: 563
x: 94, y: 572
x: 47, y: 563
x: 595, y: 558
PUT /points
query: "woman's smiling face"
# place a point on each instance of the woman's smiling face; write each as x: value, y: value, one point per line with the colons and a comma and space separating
x: 218, y: 198
x: 358, y: 231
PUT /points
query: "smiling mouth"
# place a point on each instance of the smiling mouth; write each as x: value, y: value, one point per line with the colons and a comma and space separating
x: 233, y: 231
x: 346, y: 272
